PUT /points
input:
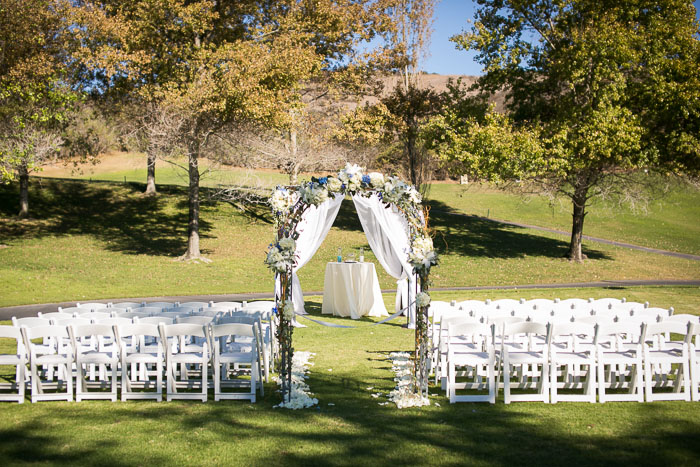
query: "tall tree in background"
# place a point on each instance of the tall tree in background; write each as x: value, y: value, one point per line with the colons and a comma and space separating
x: 34, y: 96
x: 398, y: 117
x: 596, y: 91
x: 214, y: 65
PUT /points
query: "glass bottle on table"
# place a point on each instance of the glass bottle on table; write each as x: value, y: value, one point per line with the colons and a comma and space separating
x: 340, y: 254
x: 362, y: 255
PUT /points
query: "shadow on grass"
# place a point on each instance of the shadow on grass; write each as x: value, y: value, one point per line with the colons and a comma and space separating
x: 474, y: 237
x: 356, y: 431
x: 117, y: 214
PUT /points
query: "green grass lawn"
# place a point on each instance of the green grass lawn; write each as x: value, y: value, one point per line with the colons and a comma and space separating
x: 91, y: 240
x: 355, y: 429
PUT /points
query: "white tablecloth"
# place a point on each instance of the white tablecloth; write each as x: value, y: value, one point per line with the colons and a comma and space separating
x: 352, y: 289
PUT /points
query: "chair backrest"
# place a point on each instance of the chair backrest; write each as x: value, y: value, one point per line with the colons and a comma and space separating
x: 10, y: 332
x: 151, y: 310
x: 220, y: 309
x: 506, y: 303
x: 72, y: 321
x: 71, y: 310
x: 160, y: 304
x: 233, y: 329
x: 127, y: 305
x: 184, y: 329
x: 237, y: 319
x: 525, y: 327
x: 539, y: 304
x: 471, y: 305
x: 662, y: 312
x: 201, y: 320
x: 32, y: 321
x: 574, y: 303
x: 95, y: 315
x: 86, y: 330
x: 185, y: 310
x: 476, y: 332
x: 55, y: 315
x: 605, y: 303
x: 574, y: 328
x: 613, y: 332
x: 626, y: 308
x: 252, y: 313
x: 684, y: 318
x: 93, y: 306
x: 207, y: 312
x: 195, y: 305
x: 155, y: 320
x: 499, y: 321
x: 114, y: 321
x: 227, y: 305
x: 130, y: 314
x: 596, y: 319
x: 663, y: 327
x: 42, y: 332
x: 141, y: 329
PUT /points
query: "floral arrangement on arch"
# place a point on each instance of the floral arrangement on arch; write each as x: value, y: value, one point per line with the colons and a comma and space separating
x: 288, y: 205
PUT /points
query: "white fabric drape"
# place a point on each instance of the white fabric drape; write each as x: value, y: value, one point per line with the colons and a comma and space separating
x: 388, y: 235
x: 313, y: 229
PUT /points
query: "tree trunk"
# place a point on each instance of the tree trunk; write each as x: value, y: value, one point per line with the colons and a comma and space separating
x: 23, y: 192
x: 579, y: 203
x: 193, y: 224
x: 293, y: 148
x: 151, y: 174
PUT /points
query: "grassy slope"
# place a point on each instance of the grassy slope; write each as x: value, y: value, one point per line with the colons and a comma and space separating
x: 670, y: 223
x: 104, y: 240
x: 356, y: 430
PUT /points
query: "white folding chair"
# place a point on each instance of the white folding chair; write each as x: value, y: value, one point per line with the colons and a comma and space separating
x: 183, y: 354
x: 106, y: 355
x: 471, y: 354
x: 229, y: 357
x: 443, y: 342
x: 71, y: 310
x: 526, y: 345
x: 48, y: 355
x: 620, y: 361
x: 545, y: 304
x: 572, y: 349
x: 94, y: 315
x: 666, y: 363
x: 138, y: 381
x: 227, y: 305
x: 694, y: 353
x: 18, y: 360
x: 265, y: 358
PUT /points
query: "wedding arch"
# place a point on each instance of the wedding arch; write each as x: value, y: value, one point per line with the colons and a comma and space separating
x: 395, y: 224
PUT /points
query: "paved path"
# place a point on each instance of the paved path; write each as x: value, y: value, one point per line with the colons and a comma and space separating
x: 32, y: 310
x: 675, y: 254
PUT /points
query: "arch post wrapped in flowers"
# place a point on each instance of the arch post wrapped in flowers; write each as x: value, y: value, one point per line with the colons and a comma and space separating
x: 289, y: 205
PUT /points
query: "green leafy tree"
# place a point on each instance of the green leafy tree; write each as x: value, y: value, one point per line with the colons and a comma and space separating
x: 596, y: 91
x: 34, y: 96
x: 214, y: 65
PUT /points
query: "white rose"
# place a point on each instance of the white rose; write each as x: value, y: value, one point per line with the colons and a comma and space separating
x: 334, y: 185
x: 288, y: 243
x: 376, y: 179
x: 413, y: 195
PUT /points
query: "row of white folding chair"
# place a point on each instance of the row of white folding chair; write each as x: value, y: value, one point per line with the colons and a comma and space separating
x: 118, y: 341
x: 604, y: 350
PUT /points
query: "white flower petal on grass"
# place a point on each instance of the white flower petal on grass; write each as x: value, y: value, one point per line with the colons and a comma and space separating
x: 300, y: 397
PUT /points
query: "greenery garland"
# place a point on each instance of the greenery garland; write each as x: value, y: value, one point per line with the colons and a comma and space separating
x: 288, y: 206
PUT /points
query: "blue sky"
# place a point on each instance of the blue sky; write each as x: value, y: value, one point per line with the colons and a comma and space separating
x: 451, y: 18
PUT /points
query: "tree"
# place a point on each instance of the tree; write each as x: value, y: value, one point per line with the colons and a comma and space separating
x: 596, y: 91
x: 214, y: 65
x: 34, y: 97
x: 397, y: 118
